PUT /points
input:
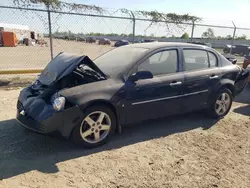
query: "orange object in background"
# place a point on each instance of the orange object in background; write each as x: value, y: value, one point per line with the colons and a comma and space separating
x: 9, y: 39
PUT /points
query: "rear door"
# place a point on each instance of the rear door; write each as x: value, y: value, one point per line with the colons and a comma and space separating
x: 201, y: 74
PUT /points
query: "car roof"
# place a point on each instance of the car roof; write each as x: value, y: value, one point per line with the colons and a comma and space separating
x: 156, y: 45
x: 123, y: 40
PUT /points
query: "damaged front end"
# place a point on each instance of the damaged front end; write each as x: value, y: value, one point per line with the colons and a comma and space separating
x: 41, y: 108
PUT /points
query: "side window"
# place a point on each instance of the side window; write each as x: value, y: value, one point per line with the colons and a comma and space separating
x: 161, y: 63
x: 195, y: 59
x: 212, y: 60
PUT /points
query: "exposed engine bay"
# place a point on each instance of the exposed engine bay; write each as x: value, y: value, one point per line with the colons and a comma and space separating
x: 81, y: 75
x: 41, y: 99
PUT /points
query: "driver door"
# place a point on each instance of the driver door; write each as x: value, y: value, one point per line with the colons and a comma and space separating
x: 160, y: 95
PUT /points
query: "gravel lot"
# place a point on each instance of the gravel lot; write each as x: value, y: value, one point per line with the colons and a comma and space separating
x: 33, y: 57
x: 37, y: 57
x: 182, y: 151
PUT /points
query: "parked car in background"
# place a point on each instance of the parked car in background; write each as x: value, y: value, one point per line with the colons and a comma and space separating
x: 237, y: 49
x: 148, y: 40
x: 104, y: 41
x: 88, y: 100
x: 90, y: 40
x: 80, y: 38
x: 230, y: 58
x: 201, y: 43
x: 121, y: 43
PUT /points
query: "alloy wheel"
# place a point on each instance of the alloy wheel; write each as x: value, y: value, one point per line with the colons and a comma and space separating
x: 222, y: 103
x: 95, y: 127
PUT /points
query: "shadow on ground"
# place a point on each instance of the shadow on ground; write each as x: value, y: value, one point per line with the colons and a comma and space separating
x: 244, y: 99
x: 23, y: 150
x: 244, y: 110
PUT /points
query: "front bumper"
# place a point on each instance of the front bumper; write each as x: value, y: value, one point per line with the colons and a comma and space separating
x: 62, y: 122
x: 30, y: 123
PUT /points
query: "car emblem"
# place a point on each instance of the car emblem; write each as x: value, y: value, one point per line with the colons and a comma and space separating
x: 22, y: 112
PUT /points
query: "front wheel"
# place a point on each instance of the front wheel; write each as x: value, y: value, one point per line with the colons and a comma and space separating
x: 97, y: 126
x: 221, y: 103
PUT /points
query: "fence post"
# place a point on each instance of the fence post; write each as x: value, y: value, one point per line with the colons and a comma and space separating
x: 192, y: 34
x: 133, y: 19
x: 232, y: 42
x: 50, y: 33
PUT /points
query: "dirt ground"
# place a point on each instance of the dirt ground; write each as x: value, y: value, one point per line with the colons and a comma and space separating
x: 181, y: 151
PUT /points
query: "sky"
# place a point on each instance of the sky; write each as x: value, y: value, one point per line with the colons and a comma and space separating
x: 214, y: 12
x: 215, y: 9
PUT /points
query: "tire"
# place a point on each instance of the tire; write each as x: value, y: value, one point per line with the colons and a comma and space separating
x: 86, y: 133
x: 214, y: 107
x: 226, y: 51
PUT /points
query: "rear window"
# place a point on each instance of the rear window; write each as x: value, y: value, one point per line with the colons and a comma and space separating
x: 212, y: 60
x: 195, y: 59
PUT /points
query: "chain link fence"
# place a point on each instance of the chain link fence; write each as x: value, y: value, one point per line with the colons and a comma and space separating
x: 42, y: 34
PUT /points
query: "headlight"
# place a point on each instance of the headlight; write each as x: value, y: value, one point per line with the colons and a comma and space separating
x: 59, y: 103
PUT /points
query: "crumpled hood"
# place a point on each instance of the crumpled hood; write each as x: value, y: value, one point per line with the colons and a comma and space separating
x: 35, y: 97
x: 62, y: 65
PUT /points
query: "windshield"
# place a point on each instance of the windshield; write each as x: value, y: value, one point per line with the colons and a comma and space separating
x: 114, y: 61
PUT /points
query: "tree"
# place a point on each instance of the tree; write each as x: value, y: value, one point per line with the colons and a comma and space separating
x: 209, y: 34
x: 185, y: 36
x: 57, y: 4
x: 47, y: 3
x: 243, y: 37
x: 229, y: 37
x: 170, y: 19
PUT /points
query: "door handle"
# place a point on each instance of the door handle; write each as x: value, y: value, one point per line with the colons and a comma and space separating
x: 213, y: 77
x: 175, y: 83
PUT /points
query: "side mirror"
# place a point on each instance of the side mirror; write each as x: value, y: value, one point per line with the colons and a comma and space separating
x: 234, y: 61
x: 141, y: 75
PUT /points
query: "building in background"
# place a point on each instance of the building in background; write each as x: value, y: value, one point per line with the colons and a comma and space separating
x: 21, y: 31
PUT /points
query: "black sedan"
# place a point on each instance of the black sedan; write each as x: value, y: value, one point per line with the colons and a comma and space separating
x: 88, y: 100
x: 121, y: 43
x: 237, y: 49
x: 104, y: 41
x: 90, y: 40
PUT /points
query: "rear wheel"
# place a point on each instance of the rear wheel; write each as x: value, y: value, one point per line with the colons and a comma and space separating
x: 221, y: 103
x: 96, y: 127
